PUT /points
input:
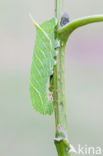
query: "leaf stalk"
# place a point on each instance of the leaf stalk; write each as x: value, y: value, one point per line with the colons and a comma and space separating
x: 65, y: 31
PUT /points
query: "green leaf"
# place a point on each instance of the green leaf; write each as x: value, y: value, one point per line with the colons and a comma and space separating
x: 42, y: 67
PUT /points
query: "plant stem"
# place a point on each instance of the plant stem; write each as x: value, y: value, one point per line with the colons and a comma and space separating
x: 58, y: 9
x: 61, y: 138
x: 66, y: 30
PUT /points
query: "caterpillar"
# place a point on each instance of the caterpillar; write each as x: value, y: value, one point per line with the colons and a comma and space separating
x: 42, y: 67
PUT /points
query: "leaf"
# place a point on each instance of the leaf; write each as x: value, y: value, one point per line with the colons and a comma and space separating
x: 42, y: 67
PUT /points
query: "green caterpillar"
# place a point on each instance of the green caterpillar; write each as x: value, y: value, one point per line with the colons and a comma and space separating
x: 42, y: 67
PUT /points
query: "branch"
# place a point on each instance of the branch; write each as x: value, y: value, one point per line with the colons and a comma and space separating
x: 66, y: 30
x: 61, y: 137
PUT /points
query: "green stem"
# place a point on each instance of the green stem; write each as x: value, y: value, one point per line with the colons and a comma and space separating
x: 58, y: 10
x: 65, y: 31
x: 61, y: 137
x: 61, y: 35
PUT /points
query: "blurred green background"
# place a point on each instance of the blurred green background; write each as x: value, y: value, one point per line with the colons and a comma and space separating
x: 22, y: 130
